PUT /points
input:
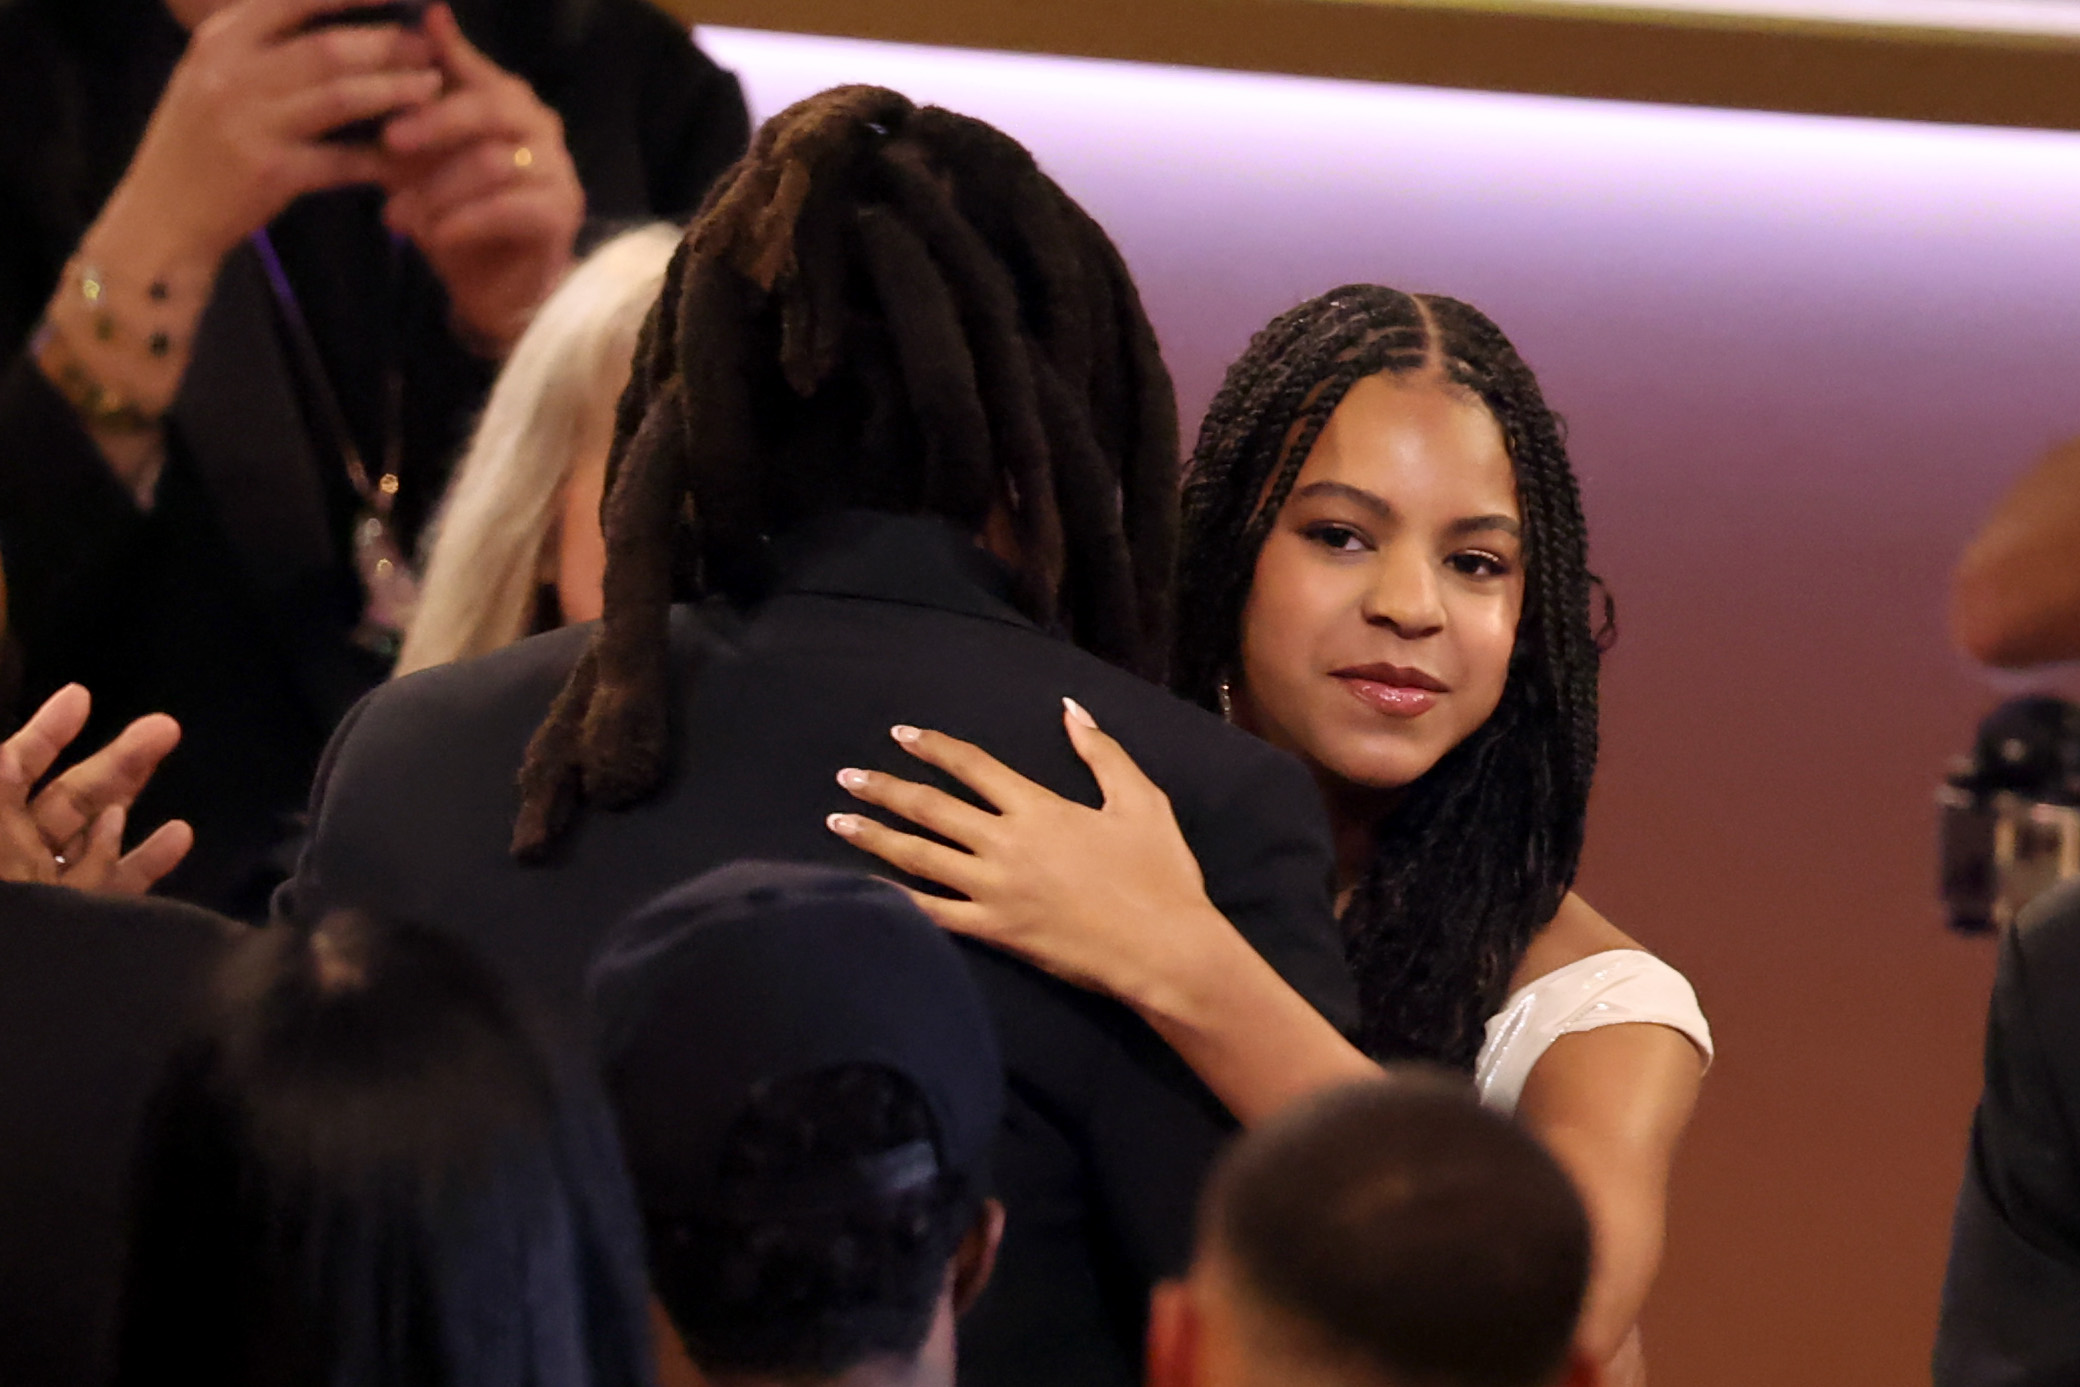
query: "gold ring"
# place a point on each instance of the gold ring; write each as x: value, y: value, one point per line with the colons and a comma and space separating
x: 523, y: 157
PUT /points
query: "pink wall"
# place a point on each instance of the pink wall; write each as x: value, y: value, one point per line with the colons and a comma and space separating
x: 1800, y: 358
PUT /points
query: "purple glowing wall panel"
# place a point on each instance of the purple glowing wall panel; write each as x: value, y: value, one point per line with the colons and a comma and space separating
x: 1800, y: 357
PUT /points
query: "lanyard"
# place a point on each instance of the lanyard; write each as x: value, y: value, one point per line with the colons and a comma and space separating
x: 390, y: 588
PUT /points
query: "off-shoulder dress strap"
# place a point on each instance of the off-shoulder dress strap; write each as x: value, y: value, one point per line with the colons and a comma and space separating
x: 1614, y: 988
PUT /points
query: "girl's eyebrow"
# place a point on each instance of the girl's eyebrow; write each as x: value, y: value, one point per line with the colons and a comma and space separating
x: 1473, y: 524
x: 1357, y: 496
x: 1381, y: 507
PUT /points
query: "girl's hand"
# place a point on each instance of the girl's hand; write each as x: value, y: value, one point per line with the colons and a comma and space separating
x: 1110, y: 899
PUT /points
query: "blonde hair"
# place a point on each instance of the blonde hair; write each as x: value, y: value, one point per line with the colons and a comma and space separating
x: 485, y: 551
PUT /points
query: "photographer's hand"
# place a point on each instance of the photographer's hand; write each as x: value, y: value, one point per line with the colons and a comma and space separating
x: 236, y: 136
x: 482, y: 182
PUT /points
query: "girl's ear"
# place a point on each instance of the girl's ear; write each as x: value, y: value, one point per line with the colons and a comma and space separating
x: 976, y: 1257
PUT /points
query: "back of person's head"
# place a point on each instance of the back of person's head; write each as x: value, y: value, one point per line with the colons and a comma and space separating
x: 885, y: 307
x: 365, y: 1168
x: 808, y: 1087
x: 1392, y: 1233
x: 495, y: 539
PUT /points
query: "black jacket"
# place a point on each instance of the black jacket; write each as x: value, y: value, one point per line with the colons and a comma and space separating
x: 94, y: 994
x: 231, y: 604
x: 881, y: 620
x: 2011, y: 1298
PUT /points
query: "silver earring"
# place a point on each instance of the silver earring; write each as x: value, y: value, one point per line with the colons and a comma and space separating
x: 1224, y: 694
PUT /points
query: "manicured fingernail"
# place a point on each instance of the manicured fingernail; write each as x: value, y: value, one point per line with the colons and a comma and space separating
x: 904, y: 733
x: 1076, y: 711
x: 852, y: 779
x: 844, y: 825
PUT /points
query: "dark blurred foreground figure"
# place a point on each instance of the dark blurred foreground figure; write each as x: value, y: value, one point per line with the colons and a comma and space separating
x: 1392, y: 1233
x: 94, y: 995
x: 238, y: 356
x: 898, y: 450
x: 2011, y: 1297
x: 809, y: 1088
x: 363, y: 1168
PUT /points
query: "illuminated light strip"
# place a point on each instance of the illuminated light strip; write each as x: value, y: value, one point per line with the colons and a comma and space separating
x: 2046, y: 18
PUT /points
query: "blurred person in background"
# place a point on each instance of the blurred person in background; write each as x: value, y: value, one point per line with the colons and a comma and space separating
x: 2015, y: 597
x: 1390, y: 1233
x: 2011, y: 1294
x: 516, y: 547
x: 808, y: 1088
x: 257, y: 270
x: 1385, y: 573
x: 364, y: 1166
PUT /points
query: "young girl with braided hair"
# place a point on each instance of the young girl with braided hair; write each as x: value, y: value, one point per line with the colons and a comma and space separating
x: 1383, y: 571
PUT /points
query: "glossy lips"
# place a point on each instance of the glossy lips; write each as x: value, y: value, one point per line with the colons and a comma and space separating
x: 1392, y: 689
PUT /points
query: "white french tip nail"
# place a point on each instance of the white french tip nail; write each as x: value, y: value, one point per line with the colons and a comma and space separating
x: 1077, y: 711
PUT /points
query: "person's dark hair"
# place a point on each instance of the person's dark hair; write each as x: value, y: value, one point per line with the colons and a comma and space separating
x: 364, y: 1167
x: 808, y: 1268
x: 1477, y: 854
x: 881, y: 306
x: 1400, y: 1223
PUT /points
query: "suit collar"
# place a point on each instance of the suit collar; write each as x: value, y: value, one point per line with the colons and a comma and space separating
x: 918, y: 560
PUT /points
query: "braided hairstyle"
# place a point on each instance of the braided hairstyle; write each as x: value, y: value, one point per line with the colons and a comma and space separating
x: 880, y: 306
x: 1477, y: 854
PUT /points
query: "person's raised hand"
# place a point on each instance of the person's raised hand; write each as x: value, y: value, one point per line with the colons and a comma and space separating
x: 238, y: 133
x: 482, y: 183
x: 70, y: 833
x: 1109, y: 899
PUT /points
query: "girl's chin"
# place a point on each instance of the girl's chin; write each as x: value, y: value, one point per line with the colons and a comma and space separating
x: 1378, y: 774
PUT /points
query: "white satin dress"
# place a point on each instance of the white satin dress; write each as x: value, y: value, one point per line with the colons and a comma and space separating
x: 1614, y: 988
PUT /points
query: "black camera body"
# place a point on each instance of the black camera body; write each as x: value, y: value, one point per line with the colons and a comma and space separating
x: 2011, y: 814
x: 408, y: 13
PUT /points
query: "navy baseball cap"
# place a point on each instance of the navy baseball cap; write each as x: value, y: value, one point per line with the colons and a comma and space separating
x: 761, y: 971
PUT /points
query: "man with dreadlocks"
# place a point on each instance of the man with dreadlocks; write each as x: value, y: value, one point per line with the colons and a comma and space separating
x: 898, y: 449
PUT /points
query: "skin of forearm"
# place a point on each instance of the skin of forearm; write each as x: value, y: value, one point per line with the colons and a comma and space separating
x: 1627, y: 1229
x: 130, y: 338
x: 2015, y: 598
x: 1611, y: 1105
x: 1254, y: 1041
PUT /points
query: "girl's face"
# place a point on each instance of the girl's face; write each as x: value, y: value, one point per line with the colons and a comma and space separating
x: 1377, y: 634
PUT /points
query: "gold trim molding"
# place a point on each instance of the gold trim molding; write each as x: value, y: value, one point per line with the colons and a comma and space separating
x: 1681, y: 57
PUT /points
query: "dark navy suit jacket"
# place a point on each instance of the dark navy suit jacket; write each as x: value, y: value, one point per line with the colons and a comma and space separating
x: 879, y: 620
x: 2011, y: 1298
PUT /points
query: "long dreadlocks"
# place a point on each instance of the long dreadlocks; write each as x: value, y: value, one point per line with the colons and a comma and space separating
x: 883, y: 306
x: 1477, y: 854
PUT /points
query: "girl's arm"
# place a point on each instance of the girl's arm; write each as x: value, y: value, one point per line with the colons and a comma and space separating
x: 1611, y: 1104
x: 1111, y: 899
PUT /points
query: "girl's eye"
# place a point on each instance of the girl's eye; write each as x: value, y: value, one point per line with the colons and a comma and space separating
x: 1341, y: 538
x: 1478, y: 563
